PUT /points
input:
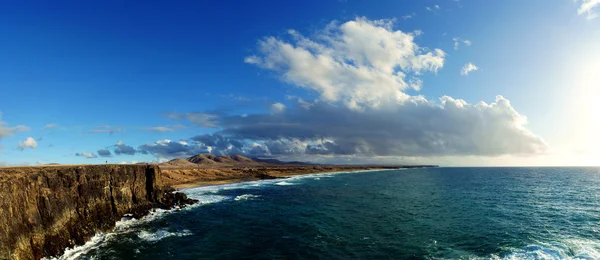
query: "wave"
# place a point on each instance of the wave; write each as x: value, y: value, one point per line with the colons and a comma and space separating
x: 198, y: 192
x: 204, y: 195
x: 161, y: 234
x: 566, y: 249
x: 246, y: 197
x: 127, y: 224
x: 285, y: 183
x: 562, y: 249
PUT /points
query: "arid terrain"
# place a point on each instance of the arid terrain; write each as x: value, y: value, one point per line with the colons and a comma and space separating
x: 210, y: 169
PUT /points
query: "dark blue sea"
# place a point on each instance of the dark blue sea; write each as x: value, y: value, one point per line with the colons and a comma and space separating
x: 434, y: 213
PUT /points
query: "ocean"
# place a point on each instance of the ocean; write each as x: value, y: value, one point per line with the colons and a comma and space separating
x: 432, y: 213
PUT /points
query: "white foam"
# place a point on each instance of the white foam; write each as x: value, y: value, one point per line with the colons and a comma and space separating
x: 246, y: 197
x: 204, y: 195
x: 285, y: 183
x: 160, y: 234
x: 92, y: 244
x: 565, y: 249
x: 128, y: 224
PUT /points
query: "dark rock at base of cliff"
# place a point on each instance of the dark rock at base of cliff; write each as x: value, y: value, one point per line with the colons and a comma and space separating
x: 175, y: 199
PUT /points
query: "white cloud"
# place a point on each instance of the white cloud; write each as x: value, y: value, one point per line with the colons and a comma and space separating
x: 361, y: 70
x: 359, y: 63
x: 277, y: 108
x: 432, y: 8
x: 131, y: 162
x: 121, y: 148
x: 589, y: 8
x: 28, y: 143
x: 5, y: 130
x: 105, y: 129
x: 409, y: 16
x: 164, y: 129
x: 167, y: 149
x: 415, y: 128
x: 199, y: 119
x: 50, y: 126
x: 86, y: 155
x: 457, y: 41
x: 418, y: 127
x: 468, y: 68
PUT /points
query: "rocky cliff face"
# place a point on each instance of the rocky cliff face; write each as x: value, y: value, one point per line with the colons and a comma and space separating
x: 44, y: 210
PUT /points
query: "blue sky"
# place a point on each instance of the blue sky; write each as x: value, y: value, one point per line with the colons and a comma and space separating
x: 76, y: 78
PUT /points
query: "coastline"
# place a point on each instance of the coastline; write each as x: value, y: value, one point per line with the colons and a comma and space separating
x: 203, y: 183
x: 182, y: 178
x: 53, y: 208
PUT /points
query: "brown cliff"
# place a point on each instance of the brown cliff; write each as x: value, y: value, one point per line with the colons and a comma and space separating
x: 44, y: 210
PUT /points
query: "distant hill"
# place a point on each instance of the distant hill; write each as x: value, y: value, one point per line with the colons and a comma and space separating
x: 210, y: 160
x: 206, y: 159
x: 178, y: 163
x: 278, y: 162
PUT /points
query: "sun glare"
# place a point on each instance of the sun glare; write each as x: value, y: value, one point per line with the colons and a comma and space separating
x: 586, y: 105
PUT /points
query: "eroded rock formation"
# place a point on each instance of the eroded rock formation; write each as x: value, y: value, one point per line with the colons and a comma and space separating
x: 44, y: 210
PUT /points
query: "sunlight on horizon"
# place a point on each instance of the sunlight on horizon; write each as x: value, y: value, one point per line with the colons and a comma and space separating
x: 587, y: 107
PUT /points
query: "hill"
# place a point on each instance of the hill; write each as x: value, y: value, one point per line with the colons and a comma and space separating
x: 178, y: 163
x: 211, y: 161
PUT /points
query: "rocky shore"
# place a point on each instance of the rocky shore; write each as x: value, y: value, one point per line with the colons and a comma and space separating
x: 44, y: 210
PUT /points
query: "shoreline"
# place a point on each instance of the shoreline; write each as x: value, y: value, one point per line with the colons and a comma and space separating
x: 191, y: 185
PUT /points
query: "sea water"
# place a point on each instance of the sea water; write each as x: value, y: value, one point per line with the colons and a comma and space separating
x: 432, y: 213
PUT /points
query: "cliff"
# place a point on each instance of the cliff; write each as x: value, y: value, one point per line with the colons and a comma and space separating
x: 44, y: 210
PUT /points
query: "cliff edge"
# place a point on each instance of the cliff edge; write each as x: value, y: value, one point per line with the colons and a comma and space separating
x: 44, y: 210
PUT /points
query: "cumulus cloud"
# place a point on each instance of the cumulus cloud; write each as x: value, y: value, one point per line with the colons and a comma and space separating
x: 589, y: 8
x: 448, y: 127
x: 6, y: 130
x: 104, y: 153
x: 86, y: 155
x: 360, y: 70
x: 220, y: 144
x: 164, y: 129
x: 421, y: 127
x: 468, y: 68
x: 167, y: 149
x: 358, y: 63
x: 121, y: 148
x: 28, y: 143
x: 277, y: 107
x: 367, y: 66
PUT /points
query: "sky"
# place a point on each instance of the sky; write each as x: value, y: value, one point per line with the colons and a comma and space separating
x: 453, y: 82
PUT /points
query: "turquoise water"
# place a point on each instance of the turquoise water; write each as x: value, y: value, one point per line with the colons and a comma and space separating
x: 436, y: 213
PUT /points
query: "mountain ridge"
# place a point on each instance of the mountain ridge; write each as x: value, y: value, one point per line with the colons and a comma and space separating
x: 236, y: 160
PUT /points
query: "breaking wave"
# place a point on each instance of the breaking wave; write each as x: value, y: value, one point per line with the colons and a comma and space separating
x: 161, y: 234
x: 567, y: 249
x: 246, y: 197
x: 204, y: 194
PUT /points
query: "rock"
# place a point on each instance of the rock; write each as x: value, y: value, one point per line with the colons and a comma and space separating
x: 44, y: 210
x: 172, y: 199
